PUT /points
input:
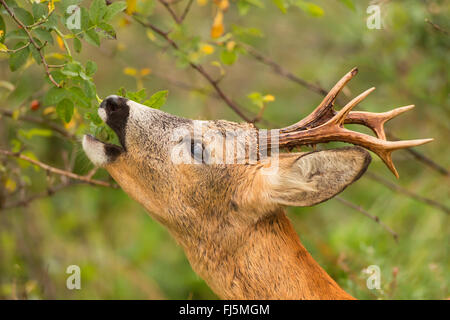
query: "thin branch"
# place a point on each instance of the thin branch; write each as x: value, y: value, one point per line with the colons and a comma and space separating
x: 186, y: 11
x: 24, y: 202
x: 283, y: 72
x: 33, y: 42
x: 367, y: 214
x: 172, y: 13
x: 41, y: 121
x: 235, y: 107
x: 56, y: 170
x: 410, y: 194
x: 437, y: 27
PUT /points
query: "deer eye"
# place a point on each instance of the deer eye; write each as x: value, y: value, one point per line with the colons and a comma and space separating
x: 199, y: 152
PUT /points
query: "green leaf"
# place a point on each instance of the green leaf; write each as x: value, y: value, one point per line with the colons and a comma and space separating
x: 72, y: 69
x: 54, y: 95
x: 39, y: 11
x: 157, y: 100
x: 114, y: 9
x: 349, y: 4
x: 92, y: 37
x: 90, y: 89
x: 310, y: 8
x: 91, y: 68
x: 18, y: 59
x: 2, y: 30
x: 52, y: 22
x: 24, y: 16
x: 34, y: 52
x: 97, y: 10
x: 281, y: 4
x: 28, y: 134
x: 77, y: 45
x: 17, y: 35
x: 228, y: 57
x: 44, y: 35
x: 64, y: 109
x: 107, y: 31
x: 78, y: 95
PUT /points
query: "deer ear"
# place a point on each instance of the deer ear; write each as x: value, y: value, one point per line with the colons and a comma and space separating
x: 311, y: 178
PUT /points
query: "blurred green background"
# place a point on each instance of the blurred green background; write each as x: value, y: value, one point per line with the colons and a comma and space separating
x: 124, y: 254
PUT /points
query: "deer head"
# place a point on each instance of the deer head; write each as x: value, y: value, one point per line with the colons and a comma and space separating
x: 217, y: 198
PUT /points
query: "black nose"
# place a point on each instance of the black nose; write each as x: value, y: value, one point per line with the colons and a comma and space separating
x: 113, y: 103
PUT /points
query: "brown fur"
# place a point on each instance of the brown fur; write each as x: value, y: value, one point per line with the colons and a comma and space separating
x: 230, y: 219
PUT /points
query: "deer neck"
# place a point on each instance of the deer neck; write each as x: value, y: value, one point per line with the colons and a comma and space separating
x: 264, y: 261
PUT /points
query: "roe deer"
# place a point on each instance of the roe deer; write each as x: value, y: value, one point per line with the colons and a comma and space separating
x: 229, y: 217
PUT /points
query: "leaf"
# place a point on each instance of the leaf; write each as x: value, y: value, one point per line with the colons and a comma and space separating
x: 217, y: 27
x: 18, y: 58
x: 91, y: 68
x: 39, y: 11
x: 80, y: 97
x: 114, y: 9
x: 97, y: 10
x: 44, y: 35
x: 349, y: 4
x: 157, y: 100
x: 2, y: 30
x: 107, y: 31
x: 311, y: 8
x: 90, y: 89
x: 54, y: 95
x: 131, y: 6
x: 3, y: 48
x: 24, y: 16
x: 92, y: 37
x: 72, y: 69
x: 64, y: 109
x: 281, y: 5
x: 77, y: 45
x: 228, y: 57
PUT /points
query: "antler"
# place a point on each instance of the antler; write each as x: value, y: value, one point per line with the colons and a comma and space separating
x: 325, y: 124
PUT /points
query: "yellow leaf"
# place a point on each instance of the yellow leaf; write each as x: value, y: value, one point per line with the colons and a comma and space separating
x: 145, y: 72
x: 217, y: 27
x: 130, y: 71
x: 223, y: 5
x: 207, y: 49
x: 56, y: 55
x: 150, y: 35
x: 268, y: 98
x: 3, y: 48
x: 51, y: 6
x: 202, y: 3
x: 124, y: 22
x: 131, y: 6
x: 231, y: 45
x: 15, y: 114
x: 60, y: 42
x: 10, y: 185
x: 49, y: 110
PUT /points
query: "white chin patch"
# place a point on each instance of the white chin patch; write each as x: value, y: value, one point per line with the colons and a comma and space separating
x: 102, y: 114
x: 95, y: 150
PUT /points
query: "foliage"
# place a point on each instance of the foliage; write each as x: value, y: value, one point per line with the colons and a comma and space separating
x: 54, y: 72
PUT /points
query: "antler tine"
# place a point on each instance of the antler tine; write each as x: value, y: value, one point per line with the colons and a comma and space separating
x: 324, y: 124
x: 385, y: 153
x: 375, y: 121
x: 340, y: 117
x: 324, y: 110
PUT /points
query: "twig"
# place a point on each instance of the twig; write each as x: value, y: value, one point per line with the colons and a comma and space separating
x: 172, y: 13
x: 33, y: 42
x: 437, y: 27
x: 283, y: 72
x: 186, y: 11
x: 236, y: 108
x: 56, y: 170
x: 367, y: 214
x: 411, y: 194
x: 41, y: 121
